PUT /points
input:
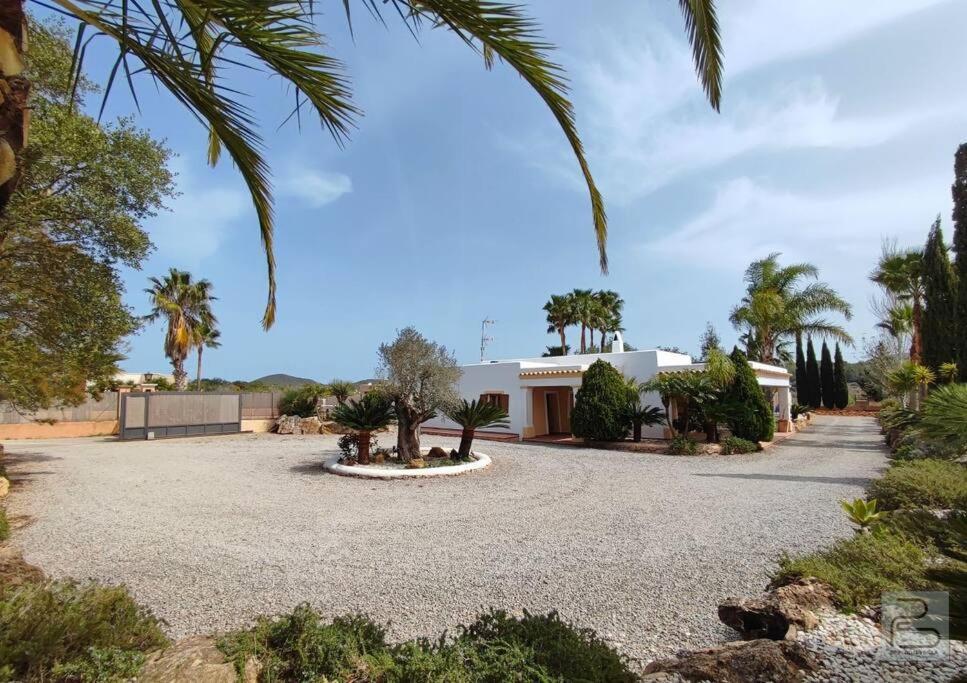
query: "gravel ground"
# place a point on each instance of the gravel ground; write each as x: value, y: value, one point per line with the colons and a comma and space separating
x: 212, y: 532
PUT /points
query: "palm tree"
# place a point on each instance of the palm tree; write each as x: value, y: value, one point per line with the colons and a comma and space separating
x: 373, y: 411
x: 473, y: 416
x: 610, y: 317
x: 643, y: 415
x: 900, y: 273
x: 186, y: 305
x: 776, y: 308
x: 205, y: 336
x: 560, y: 315
x: 583, y: 300
x: 188, y: 47
x: 342, y: 389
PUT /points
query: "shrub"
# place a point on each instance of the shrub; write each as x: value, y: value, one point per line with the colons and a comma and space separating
x: 4, y: 525
x: 734, y: 445
x: 943, y: 419
x: 797, y: 410
x: 74, y: 628
x: 925, y: 483
x: 861, y: 568
x: 601, y: 405
x: 301, y: 401
x: 495, y: 647
x: 682, y: 445
x: 750, y: 415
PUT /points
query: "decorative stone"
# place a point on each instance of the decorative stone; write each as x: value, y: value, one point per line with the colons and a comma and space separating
x: 779, y: 613
x: 753, y: 661
x: 335, y: 428
x: 194, y: 659
x: 416, y: 464
x: 289, y: 424
x: 437, y: 452
x: 454, y: 455
x: 310, y: 425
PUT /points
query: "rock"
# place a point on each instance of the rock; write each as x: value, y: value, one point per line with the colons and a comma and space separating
x: 310, y: 425
x: 454, y: 455
x: 194, y: 659
x: 437, y: 452
x: 378, y: 458
x: 416, y: 464
x: 779, y: 613
x: 289, y: 424
x: 753, y: 661
x: 4, y: 486
x: 335, y: 428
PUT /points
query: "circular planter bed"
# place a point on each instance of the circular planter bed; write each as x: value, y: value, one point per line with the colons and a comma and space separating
x: 388, y: 470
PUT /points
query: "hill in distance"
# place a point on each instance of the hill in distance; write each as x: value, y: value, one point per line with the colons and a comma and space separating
x: 283, y: 380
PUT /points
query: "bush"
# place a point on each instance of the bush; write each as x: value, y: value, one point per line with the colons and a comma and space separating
x: 682, y: 445
x: 732, y: 445
x: 76, y: 629
x: 496, y: 647
x: 925, y: 483
x: 4, y: 525
x: 301, y: 401
x: 944, y: 417
x: 601, y: 405
x: 861, y: 568
x: 750, y: 415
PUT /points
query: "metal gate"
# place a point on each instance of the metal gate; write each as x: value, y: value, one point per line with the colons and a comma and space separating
x: 159, y: 415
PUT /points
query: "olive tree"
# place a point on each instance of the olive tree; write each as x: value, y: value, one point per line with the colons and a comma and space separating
x: 421, y: 378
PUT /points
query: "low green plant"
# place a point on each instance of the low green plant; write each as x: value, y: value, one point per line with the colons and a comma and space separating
x: 71, y: 627
x: 862, y: 513
x: 302, y: 400
x: 861, y: 568
x: 943, y: 419
x: 301, y: 646
x: 4, y: 525
x: 372, y: 412
x: 796, y: 410
x: 925, y: 483
x: 682, y: 445
x: 732, y: 445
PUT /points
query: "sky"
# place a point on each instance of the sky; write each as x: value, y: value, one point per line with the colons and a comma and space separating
x: 457, y: 198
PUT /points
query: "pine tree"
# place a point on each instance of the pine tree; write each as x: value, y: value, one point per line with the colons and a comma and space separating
x: 750, y: 414
x: 813, y: 393
x: 939, y: 333
x: 827, y: 389
x: 959, y: 192
x: 802, y: 392
x: 840, y: 386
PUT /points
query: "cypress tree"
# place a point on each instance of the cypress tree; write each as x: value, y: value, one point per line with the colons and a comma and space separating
x: 939, y: 333
x: 601, y: 405
x: 840, y: 387
x: 801, y: 392
x: 812, y: 394
x: 827, y: 389
x: 750, y: 414
x: 959, y: 191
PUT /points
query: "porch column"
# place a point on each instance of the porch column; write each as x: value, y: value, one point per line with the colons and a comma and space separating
x: 785, y: 409
x: 528, y: 430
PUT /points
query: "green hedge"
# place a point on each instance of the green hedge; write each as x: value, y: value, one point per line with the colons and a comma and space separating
x: 601, y: 407
x: 926, y: 483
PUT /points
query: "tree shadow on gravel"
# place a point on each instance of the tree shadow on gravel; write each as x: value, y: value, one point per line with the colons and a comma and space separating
x: 820, y: 444
x: 844, y: 481
x: 313, y: 467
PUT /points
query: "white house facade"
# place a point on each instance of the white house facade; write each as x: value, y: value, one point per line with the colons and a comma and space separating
x: 538, y: 393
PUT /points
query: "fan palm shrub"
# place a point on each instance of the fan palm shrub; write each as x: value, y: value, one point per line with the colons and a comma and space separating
x: 943, y: 418
x: 373, y: 411
x: 642, y: 415
x: 472, y: 416
x: 342, y: 389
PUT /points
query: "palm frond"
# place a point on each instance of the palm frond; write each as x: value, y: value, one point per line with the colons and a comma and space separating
x: 702, y: 27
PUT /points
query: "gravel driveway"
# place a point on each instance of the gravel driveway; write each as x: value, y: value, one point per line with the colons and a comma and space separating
x: 211, y: 532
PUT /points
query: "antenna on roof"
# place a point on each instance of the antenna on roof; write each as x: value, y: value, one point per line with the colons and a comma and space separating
x: 484, y: 339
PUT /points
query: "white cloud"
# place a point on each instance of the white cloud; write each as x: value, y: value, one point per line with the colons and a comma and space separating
x: 315, y: 188
x: 747, y: 220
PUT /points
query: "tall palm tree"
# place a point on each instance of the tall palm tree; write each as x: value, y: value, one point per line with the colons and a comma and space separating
x: 560, y: 315
x: 611, y: 304
x: 777, y: 306
x: 186, y: 304
x: 900, y: 273
x: 186, y: 47
x: 206, y: 336
x: 583, y: 300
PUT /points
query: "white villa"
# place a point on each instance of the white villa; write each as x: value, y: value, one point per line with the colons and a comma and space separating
x: 538, y: 393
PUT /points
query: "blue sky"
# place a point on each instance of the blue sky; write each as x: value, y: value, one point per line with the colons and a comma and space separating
x: 457, y: 198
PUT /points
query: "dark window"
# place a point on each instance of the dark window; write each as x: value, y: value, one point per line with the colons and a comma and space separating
x: 502, y: 400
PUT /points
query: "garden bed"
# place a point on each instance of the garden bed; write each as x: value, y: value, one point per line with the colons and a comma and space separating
x: 435, y: 467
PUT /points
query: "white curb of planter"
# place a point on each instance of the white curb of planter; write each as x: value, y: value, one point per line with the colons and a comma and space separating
x: 333, y: 465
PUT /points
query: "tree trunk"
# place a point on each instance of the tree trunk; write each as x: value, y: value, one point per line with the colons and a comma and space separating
x: 592, y: 337
x: 636, y: 431
x: 563, y: 342
x: 181, y: 377
x: 916, y: 350
x: 583, y: 346
x: 711, y: 432
x: 14, y: 92
x: 408, y: 432
x: 362, y: 448
x: 465, y: 440
x: 602, y: 341
x: 198, y: 374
